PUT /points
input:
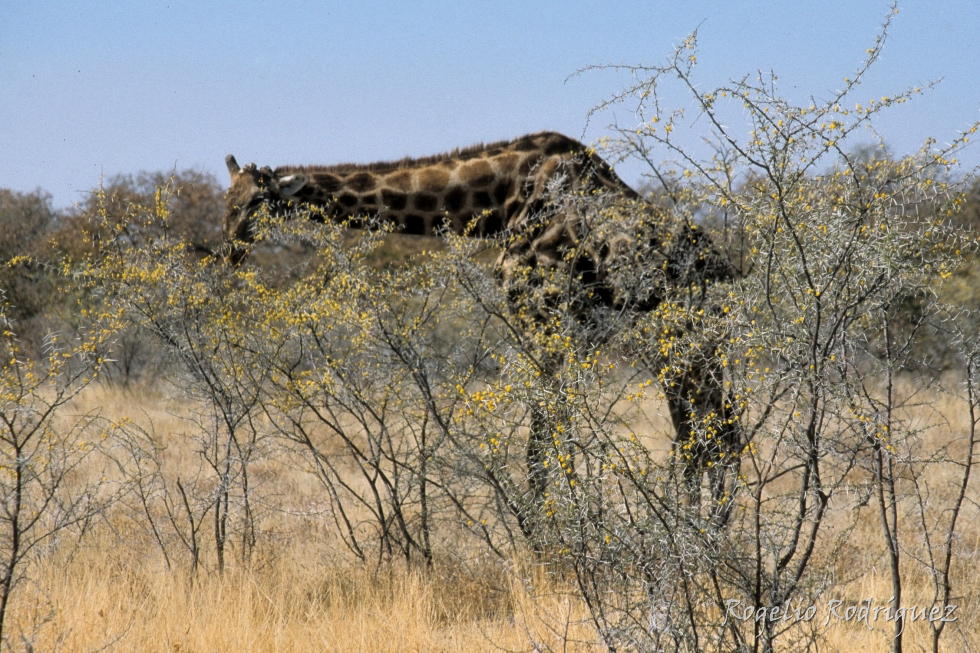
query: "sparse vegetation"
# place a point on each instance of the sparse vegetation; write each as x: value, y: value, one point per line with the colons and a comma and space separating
x: 367, y: 445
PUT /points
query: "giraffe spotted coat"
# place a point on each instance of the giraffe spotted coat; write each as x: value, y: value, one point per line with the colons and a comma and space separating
x: 519, y: 187
x: 546, y: 193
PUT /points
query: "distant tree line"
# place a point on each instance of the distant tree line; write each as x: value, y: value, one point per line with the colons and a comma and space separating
x: 414, y: 395
x: 35, y: 238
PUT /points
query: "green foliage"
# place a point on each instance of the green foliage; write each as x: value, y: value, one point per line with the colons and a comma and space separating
x: 25, y: 283
x: 194, y: 202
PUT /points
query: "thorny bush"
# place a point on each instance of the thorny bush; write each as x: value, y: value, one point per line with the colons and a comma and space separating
x: 417, y: 395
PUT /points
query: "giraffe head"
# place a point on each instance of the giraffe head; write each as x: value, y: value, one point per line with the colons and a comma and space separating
x: 694, y: 258
x: 251, y: 187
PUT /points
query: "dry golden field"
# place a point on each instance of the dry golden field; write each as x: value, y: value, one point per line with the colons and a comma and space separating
x: 301, y: 592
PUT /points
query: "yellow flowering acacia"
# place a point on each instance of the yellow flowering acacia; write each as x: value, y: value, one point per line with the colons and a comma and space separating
x: 843, y: 250
x: 676, y: 442
x: 42, y: 451
x: 207, y: 319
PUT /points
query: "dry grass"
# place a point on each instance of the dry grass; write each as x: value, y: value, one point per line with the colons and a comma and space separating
x: 301, y: 592
x: 111, y: 595
x: 944, y: 423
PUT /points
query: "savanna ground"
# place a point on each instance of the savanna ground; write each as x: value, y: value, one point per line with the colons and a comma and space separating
x: 360, y: 443
x: 301, y: 592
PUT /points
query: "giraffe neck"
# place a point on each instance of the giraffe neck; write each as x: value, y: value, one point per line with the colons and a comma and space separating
x: 489, y: 184
x: 478, y: 191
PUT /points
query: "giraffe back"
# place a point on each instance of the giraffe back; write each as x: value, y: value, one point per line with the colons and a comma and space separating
x: 541, y: 190
x: 481, y: 190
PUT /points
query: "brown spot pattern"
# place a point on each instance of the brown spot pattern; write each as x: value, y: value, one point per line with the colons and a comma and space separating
x: 394, y: 201
x: 501, y: 191
x: 401, y: 180
x: 482, y: 200
x: 433, y: 180
x: 426, y: 202
x: 455, y: 199
x: 477, y: 174
x: 414, y: 224
x: 361, y: 182
x: 507, y: 163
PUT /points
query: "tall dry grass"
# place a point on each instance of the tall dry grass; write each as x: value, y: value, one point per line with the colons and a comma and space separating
x: 302, y: 592
x: 113, y: 598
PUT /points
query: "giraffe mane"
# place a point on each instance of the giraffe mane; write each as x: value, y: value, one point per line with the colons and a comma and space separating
x: 456, y: 154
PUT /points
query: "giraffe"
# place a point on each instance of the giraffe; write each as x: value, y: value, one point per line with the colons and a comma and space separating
x: 522, y: 188
x: 484, y: 190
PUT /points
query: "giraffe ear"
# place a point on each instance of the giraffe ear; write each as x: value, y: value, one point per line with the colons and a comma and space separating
x: 290, y: 184
x: 233, y: 168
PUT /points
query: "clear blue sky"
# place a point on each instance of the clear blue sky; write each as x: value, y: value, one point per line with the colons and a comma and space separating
x: 101, y: 87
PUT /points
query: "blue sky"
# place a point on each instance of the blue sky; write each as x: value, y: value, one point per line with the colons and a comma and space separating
x: 93, y: 88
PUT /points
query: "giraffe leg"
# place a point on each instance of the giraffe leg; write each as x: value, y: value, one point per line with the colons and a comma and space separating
x: 704, y: 447
x: 537, y: 448
x: 515, y: 268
